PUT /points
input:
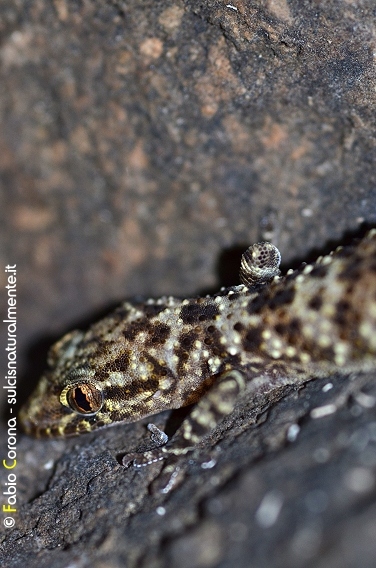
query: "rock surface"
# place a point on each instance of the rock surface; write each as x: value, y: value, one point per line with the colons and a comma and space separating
x: 142, y: 146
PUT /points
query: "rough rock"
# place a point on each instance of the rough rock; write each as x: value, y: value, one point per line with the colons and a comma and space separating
x: 142, y: 145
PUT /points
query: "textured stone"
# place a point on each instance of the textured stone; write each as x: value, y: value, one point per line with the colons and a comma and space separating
x: 141, y: 143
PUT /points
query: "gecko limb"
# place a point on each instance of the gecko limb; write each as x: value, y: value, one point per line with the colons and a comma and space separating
x: 216, y: 404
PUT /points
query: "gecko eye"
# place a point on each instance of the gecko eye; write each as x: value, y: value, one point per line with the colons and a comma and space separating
x: 259, y: 264
x: 85, y: 398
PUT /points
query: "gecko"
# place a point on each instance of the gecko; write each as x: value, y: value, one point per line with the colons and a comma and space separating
x: 167, y: 353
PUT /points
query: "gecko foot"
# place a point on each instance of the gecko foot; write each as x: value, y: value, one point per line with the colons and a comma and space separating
x: 217, y: 403
x: 139, y: 458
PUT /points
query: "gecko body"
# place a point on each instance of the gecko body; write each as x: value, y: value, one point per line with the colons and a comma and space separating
x: 167, y: 353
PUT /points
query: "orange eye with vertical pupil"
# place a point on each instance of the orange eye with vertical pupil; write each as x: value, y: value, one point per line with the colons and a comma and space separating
x: 85, y: 398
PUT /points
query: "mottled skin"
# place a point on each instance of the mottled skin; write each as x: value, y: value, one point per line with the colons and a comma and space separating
x: 167, y: 353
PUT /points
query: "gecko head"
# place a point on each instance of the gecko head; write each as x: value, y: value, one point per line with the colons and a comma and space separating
x: 66, y: 400
x: 87, y: 387
x: 56, y: 410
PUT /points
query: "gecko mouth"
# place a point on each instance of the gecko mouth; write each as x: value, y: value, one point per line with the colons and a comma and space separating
x: 67, y: 423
